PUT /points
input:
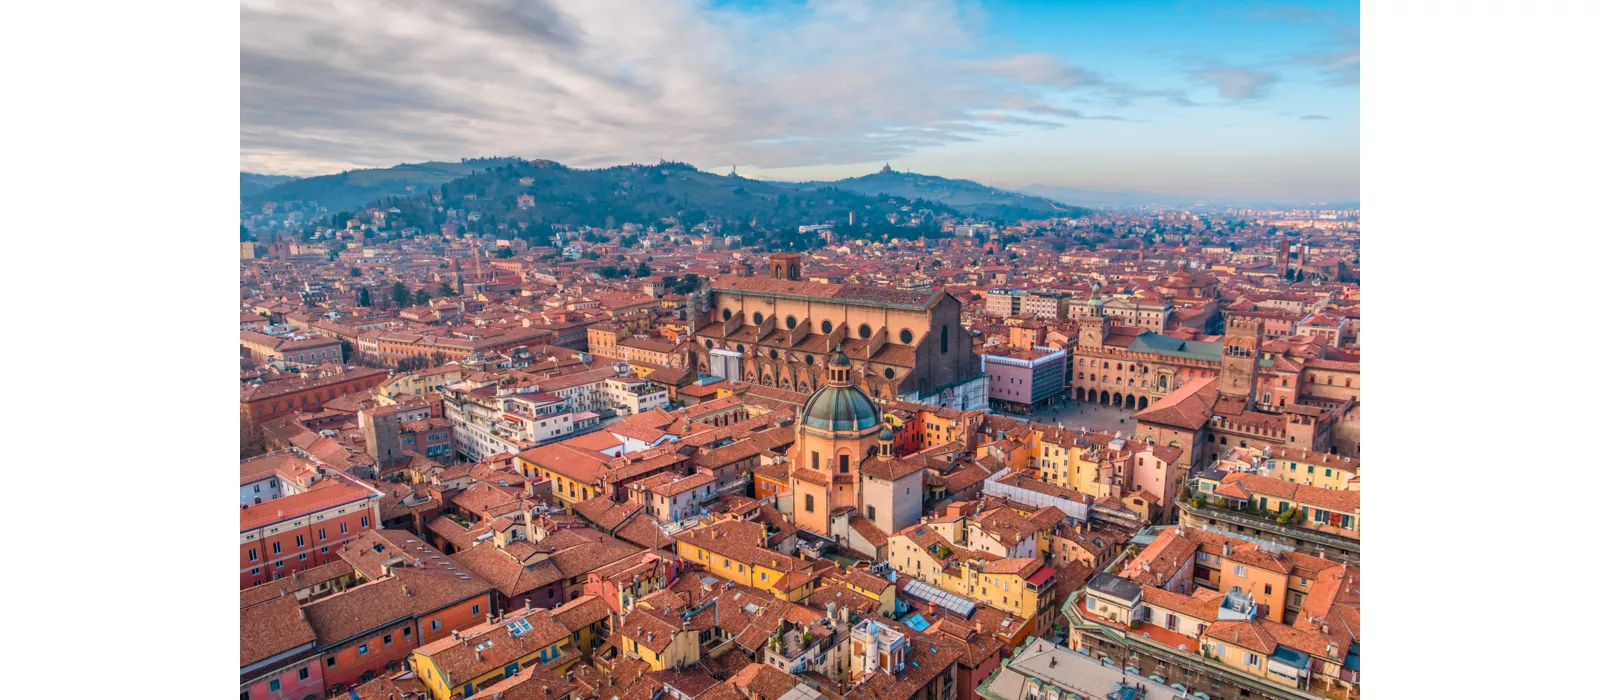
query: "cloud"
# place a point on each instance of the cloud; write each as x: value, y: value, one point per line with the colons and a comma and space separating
x: 1341, y: 68
x: 1314, y: 116
x: 368, y: 83
x: 1236, y: 83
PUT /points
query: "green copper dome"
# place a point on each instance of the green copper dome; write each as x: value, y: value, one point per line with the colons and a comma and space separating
x: 840, y: 408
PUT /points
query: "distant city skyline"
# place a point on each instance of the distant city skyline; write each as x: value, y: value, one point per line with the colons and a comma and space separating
x: 1194, y: 99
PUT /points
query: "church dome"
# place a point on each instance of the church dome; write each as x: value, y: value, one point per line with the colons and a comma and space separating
x: 840, y: 405
x: 840, y: 408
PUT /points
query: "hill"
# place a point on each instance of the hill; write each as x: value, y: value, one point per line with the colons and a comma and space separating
x: 493, y: 197
x: 252, y: 183
x: 965, y: 196
x: 354, y: 188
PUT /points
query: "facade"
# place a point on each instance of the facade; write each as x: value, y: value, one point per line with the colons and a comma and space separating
x: 841, y: 464
x: 295, y: 514
x: 1024, y: 379
x: 287, y: 397
x: 779, y: 332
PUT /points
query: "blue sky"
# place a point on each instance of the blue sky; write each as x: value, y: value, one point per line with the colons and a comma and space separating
x: 1204, y: 99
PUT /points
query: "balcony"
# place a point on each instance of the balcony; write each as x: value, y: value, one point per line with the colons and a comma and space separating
x: 1311, y: 541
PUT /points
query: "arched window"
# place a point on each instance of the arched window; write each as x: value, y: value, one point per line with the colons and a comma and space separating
x: 810, y: 360
x: 790, y: 322
x: 944, y: 339
x: 757, y: 318
x: 727, y: 314
x: 865, y: 331
x: 905, y: 336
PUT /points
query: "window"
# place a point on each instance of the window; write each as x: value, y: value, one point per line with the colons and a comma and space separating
x: 1239, y: 570
x: 1252, y: 660
x: 727, y: 314
x: 405, y: 632
x: 827, y: 327
x: 299, y: 540
x: 433, y: 625
x: 1269, y: 589
x: 332, y: 662
x: 388, y: 639
x: 864, y: 331
x: 905, y: 336
x: 811, y: 506
x: 872, y: 513
x: 816, y: 460
x: 844, y: 463
x: 361, y: 650
x: 273, y: 685
x: 474, y: 611
x: 252, y: 554
x: 305, y: 672
x: 944, y: 339
x: 344, y: 528
x: 277, y: 548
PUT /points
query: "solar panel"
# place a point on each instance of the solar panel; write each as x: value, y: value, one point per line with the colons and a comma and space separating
x: 519, y: 628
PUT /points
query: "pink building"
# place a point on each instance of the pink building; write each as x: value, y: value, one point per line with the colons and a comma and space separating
x: 1020, y: 379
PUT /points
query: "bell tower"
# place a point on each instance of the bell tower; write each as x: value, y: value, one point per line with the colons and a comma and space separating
x: 786, y: 266
x: 1241, y: 350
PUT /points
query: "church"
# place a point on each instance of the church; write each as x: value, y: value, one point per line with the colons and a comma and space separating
x: 779, y: 330
x: 843, y: 476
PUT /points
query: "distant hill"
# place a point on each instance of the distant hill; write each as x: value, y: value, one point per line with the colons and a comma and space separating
x: 354, y: 188
x: 646, y: 194
x: 252, y: 183
x: 1131, y: 199
x: 965, y: 196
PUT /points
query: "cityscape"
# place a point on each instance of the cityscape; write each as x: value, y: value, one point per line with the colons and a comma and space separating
x: 556, y: 428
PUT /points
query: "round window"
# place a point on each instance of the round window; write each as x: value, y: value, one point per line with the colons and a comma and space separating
x: 790, y: 322
x: 708, y: 344
x: 865, y: 331
x: 741, y: 348
x: 727, y: 314
x: 772, y: 354
x: 888, y: 373
x: 827, y: 327
x: 905, y: 336
x: 810, y: 360
x: 757, y: 318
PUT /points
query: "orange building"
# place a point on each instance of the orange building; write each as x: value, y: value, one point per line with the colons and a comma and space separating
x: 290, y: 396
x: 295, y: 513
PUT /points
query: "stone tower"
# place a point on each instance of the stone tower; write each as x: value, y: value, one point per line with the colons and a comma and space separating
x: 786, y: 266
x: 1094, y: 324
x: 1241, y: 350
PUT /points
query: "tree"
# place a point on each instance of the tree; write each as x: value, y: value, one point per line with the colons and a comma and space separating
x: 347, y: 351
x: 421, y: 298
x: 401, y: 295
x: 245, y: 234
x: 503, y: 253
x: 363, y: 297
x: 445, y: 290
x: 642, y: 271
x: 355, y: 271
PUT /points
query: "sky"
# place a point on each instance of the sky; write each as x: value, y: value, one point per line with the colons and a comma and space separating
x: 1206, y: 99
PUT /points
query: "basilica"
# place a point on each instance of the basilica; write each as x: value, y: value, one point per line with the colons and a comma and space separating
x: 847, y: 486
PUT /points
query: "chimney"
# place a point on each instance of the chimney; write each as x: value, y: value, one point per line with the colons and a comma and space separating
x: 455, y: 634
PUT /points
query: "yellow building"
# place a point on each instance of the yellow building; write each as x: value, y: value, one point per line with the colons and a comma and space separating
x: 576, y: 474
x: 461, y: 665
x: 736, y: 550
x: 1024, y: 587
x: 660, y: 639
